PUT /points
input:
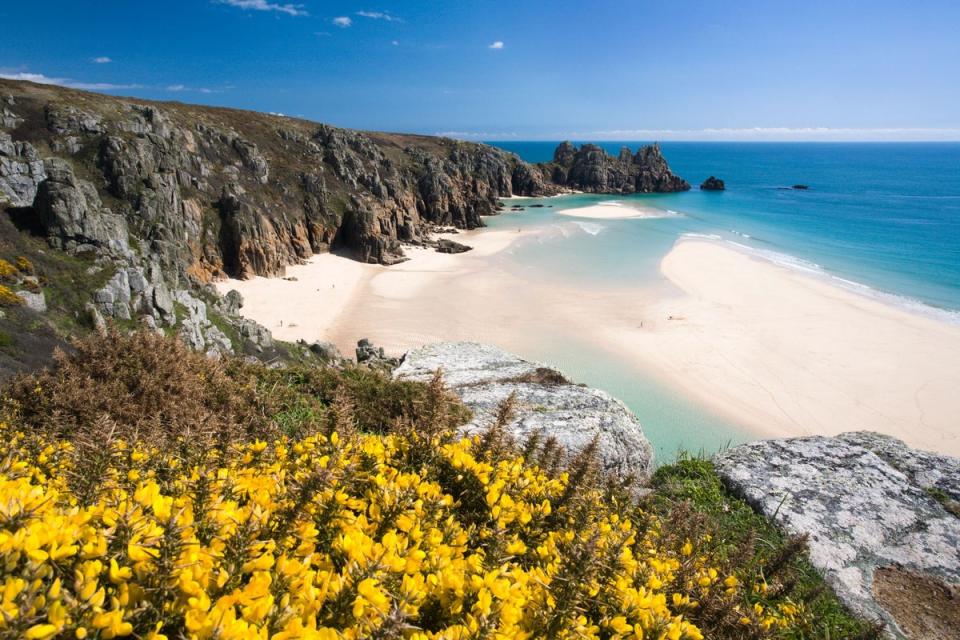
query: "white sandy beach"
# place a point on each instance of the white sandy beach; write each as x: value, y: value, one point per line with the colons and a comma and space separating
x: 790, y: 354
x: 335, y: 298
x: 612, y: 210
x: 779, y: 352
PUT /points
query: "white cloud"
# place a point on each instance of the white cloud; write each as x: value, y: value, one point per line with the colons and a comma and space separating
x: 379, y: 15
x: 342, y: 21
x: 182, y: 88
x: 479, y: 135
x: 781, y: 134
x: 39, y: 78
x: 497, y: 45
x: 264, y: 5
x: 395, y: 43
x: 101, y: 60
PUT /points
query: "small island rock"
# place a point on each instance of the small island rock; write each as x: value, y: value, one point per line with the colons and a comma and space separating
x: 713, y: 184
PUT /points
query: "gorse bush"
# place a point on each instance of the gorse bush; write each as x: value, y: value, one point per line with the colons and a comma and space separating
x: 339, y: 525
x: 9, y: 298
x: 333, y: 537
x: 11, y: 275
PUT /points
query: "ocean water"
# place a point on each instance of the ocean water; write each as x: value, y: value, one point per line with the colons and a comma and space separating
x: 881, y: 219
x: 882, y: 215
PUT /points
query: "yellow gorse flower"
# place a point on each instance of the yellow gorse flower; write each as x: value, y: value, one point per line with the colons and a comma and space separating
x: 334, y: 537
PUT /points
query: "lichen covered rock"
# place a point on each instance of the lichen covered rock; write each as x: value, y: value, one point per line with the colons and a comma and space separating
x: 484, y: 376
x: 862, y: 515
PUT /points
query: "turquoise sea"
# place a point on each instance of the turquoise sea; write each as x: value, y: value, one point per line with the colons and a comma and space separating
x: 880, y: 218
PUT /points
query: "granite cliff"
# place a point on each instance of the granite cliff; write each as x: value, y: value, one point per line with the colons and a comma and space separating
x: 210, y: 192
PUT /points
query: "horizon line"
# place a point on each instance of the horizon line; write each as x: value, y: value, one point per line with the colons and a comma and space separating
x: 717, y: 140
x: 751, y: 134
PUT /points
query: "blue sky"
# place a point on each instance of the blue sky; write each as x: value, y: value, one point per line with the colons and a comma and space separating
x: 880, y: 69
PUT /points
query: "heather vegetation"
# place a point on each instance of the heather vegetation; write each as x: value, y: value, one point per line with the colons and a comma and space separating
x: 149, y: 491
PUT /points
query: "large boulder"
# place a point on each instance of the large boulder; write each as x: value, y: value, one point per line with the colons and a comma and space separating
x: 484, y: 376
x: 713, y: 183
x: 881, y: 538
x: 72, y: 214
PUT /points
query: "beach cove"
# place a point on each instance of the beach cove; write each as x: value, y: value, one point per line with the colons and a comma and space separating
x: 759, y: 348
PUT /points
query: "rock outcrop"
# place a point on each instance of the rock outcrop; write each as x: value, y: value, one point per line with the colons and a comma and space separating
x: 589, y: 168
x: 713, y: 184
x: 936, y: 473
x: 21, y: 171
x: 874, y: 525
x: 484, y: 376
x: 73, y: 216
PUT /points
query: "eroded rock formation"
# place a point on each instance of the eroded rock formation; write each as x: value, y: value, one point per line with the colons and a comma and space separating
x: 589, y: 168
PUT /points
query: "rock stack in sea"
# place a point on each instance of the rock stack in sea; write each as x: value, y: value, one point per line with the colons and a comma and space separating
x: 713, y: 184
x: 589, y: 168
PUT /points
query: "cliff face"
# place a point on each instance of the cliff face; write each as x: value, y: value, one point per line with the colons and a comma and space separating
x: 589, y: 168
x: 212, y: 191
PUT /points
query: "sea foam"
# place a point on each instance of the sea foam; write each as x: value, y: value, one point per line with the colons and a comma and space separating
x: 589, y: 227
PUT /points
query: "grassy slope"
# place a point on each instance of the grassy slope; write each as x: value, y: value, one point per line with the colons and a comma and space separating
x: 27, y: 338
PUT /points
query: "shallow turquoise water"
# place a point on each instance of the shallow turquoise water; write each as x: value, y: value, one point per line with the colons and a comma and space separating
x: 882, y: 219
x: 670, y: 421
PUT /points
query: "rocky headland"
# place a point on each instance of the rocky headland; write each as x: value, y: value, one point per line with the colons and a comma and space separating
x: 591, y: 169
x: 163, y: 198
